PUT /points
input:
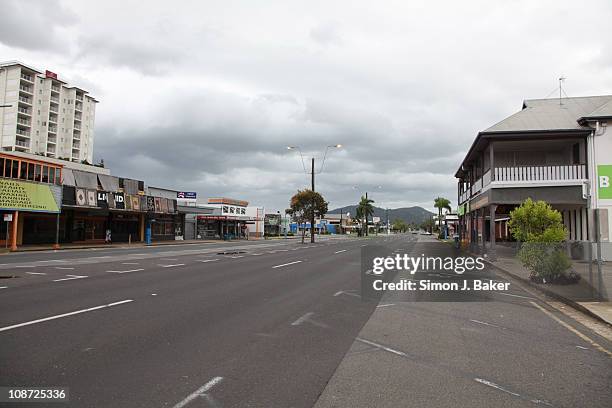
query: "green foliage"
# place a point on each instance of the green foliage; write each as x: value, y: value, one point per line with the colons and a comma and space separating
x: 304, y: 203
x: 399, y: 225
x: 365, y: 209
x: 536, y: 221
x: 540, y: 229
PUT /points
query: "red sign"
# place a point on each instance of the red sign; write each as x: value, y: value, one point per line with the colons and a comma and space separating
x: 50, y: 74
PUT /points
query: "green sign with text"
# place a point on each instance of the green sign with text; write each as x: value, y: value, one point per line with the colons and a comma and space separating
x: 604, y: 178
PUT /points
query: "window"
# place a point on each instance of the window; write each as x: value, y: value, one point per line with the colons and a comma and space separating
x: 45, y: 174
x: 52, y: 175
x: 30, y: 171
x: 1, y: 166
x: 37, y: 169
x: 576, y: 153
x: 16, y: 169
x: 7, y: 168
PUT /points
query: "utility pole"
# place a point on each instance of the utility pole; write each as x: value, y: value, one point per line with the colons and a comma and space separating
x: 312, y: 215
x: 366, y: 217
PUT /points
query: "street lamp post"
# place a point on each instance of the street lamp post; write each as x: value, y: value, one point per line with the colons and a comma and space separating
x: 312, y: 179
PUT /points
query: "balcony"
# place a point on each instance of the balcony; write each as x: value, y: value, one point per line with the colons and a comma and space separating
x: 24, y: 111
x: 78, y: 107
x: 77, y: 126
x: 27, y: 77
x: 22, y: 132
x: 25, y: 100
x: 27, y: 89
x: 574, y: 172
x: 52, y: 118
x: 79, y: 98
x: 527, y: 176
x: 55, y: 89
x: 22, y: 143
x: 51, y: 139
x: 53, y: 108
x: 55, y: 99
x: 52, y: 129
x: 23, y: 121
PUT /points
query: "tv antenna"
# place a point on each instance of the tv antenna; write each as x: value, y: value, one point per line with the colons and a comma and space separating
x: 561, y: 80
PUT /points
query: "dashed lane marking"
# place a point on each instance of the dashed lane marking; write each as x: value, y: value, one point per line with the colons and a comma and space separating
x: 71, y: 277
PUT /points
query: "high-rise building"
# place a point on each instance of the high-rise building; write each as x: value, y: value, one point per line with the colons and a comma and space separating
x: 43, y: 115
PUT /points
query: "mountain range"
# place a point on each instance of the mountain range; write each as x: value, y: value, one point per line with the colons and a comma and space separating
x: 410, y: 215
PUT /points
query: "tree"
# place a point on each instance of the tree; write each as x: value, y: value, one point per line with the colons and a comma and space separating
x: 400, y: 225
x: 365, y: 209
x: 540, y: 229
x: 302, y: 206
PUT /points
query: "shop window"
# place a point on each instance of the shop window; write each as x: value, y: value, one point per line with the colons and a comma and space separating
x: 24, y: 170
x: 37, y: 169
x: 1, y: 166
x: 45, y: 174
x: 7, y: 168
x: 30, y: 172
x: 15, y: 171
x: 52, y: 175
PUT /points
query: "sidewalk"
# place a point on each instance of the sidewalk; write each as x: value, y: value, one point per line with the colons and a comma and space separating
x: 49, y: 247
x: 582, y: 295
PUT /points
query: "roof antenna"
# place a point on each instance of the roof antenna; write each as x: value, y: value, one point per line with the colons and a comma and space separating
x: 561, y: 79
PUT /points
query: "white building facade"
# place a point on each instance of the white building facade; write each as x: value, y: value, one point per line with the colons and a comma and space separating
x: 43, y: 115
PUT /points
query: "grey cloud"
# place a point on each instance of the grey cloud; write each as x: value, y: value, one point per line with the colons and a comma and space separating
x: 34, y: 25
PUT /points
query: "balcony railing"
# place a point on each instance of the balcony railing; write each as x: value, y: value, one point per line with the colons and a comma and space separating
x: 55, y: 88
x: 25, y: 100
x: 23, y: 132
x: 27, y: 89
x: 54, y: 99
x: 27, y: 77
x: 23, y: 122
x: 540, y: 173
x: 21, y: 143
x: 52, y: 129
x: 23, y: 110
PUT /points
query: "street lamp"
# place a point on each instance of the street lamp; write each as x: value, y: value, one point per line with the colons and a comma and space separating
x: 312, y: 175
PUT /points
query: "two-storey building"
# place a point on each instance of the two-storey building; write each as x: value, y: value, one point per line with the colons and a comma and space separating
x: 551, y: 150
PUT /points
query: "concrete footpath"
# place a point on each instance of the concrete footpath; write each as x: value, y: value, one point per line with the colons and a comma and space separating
x: 582, y: 296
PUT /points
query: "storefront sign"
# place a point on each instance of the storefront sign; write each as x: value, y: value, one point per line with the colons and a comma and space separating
x: 187, y: 195
x: 150, y: 204
x: 24, y: 196
x: 232, y: 210
x: 50, y: 74
x: 102, y: 199
x: 604, y: 178
x: 119, y: 201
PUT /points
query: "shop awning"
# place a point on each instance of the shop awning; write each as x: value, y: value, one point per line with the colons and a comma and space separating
x: 85, y: 179
x: 68, y: 178
x: 108, y: 183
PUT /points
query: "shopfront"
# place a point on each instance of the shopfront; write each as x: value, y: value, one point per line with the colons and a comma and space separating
x: 30, y: 193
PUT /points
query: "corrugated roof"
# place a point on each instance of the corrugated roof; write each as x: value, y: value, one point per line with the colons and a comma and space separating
x: 549, y: 114
x: 602, y: 112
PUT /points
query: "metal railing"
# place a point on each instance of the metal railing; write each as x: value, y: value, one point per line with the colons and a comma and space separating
x: 541, y: 173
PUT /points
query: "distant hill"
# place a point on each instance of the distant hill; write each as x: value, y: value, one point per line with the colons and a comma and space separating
x: 415, y: 215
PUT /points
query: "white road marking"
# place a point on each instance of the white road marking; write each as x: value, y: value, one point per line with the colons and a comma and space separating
x: 346, y: 293
x: 518, y: 296
x: 380, y: 346
x: 129, y: 263
x: 256, y: 254
x: 171, y: 266
x: 207, y: 260
x: 386, y: 304
x: 287, y: 264
x: 486, y: 324
x: 576, y: 332
x: 23, y: 266
x: 497, y: 387
x: 302, y: 319
x: 342, y: 250
x: 36, y: 273
x: 153, y: 294
x: 583, y: 348
x: 237, y: 256
x: 129, y: 270
x: 200, y: 392
x: 15, y: 326
x: 64, y: 268
x: 72, y: 277
x: 3, y: 287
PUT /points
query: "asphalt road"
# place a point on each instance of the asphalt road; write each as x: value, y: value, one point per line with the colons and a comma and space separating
x: 262, y: 325
x: 276, y: 324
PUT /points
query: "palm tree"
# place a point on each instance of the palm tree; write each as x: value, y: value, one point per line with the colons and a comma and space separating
x: 364, y: 210
x: 442, y: 203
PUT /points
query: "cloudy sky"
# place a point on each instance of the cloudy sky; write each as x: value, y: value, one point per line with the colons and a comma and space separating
x: 205, y: 96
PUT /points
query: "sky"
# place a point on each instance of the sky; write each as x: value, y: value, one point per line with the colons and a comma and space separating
x: 206, y: 96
